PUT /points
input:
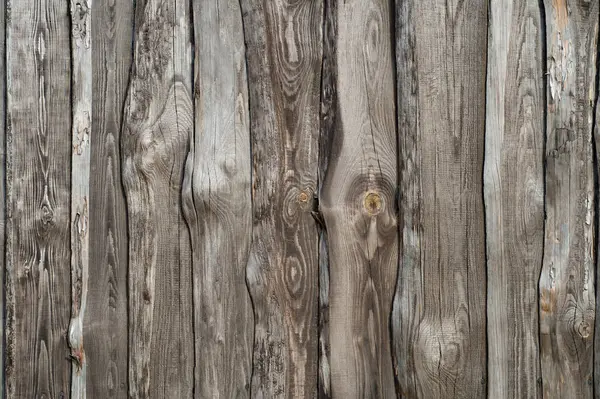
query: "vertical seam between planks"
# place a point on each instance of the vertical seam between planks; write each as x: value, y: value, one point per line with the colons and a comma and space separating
x: 191, y: 140
x: 485, y: 379
x: 544, y: 166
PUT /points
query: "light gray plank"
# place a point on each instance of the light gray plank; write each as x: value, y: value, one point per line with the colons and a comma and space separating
x: 158, y: 121
x: 439, y: 321
x: 217, y: 203
x: 358, y: 200
x: 567, y: 294
x: 514, y: 196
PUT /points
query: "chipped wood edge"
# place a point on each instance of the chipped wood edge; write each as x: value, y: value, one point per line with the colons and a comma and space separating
x: 80, y: 177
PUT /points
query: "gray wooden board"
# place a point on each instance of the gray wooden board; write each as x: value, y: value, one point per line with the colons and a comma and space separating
x: 38, y: 200
x: 514, y: 196
x: 217, y: 203
x: 158, y: 121
x: 284, y: 47
x: 439, y: 317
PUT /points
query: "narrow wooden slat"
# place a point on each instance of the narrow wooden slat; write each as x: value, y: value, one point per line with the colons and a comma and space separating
x: 514, y: 196
x: 81, y: 96
x: 567, y: 295
x: 358, y: 200
x: 105, y: 320
x: 158, y: 120
x: 38, y: 209
x: 2, y: 183
x: 217, y: 203
x: 284, y: 47
x: 439, y: 309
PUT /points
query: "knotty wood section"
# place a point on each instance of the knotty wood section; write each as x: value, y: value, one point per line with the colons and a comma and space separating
x: 105, y: 320
x: 358, y: 200
x: 284, y: 48
x: 158, y: 120
x: 81, y: 96
x: 514, y: 196
x: 217, y: 203
x: 38, y: 199
x: 439, y: 309
x: 567, y: 296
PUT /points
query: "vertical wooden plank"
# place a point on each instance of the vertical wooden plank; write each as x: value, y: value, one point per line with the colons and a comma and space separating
x: 158, y: 120
x: 358, y: 201
x: 81, y: 97
x: 284, y: 48
x: 105, y: 321
x: 217, y: 203
x: 439, y: 309
x: 567, y: 298
x: 38, y: 211
x: 514, y: 196
x: 2, y: 184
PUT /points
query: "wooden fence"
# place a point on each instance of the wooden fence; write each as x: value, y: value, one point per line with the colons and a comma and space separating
x: 299, y: 198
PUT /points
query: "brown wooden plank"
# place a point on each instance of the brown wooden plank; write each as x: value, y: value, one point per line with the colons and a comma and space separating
x: 217, y: 203
x: 567, y: 295
x: 158, y: 120
x: 439, y: 308
x: 105, y: 321
x: 358, y: 200
x: 514, y: 196
x: 284, y: 50
x: 38, y: 209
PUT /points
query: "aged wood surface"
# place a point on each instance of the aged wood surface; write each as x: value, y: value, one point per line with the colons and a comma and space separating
x: 105, y: 320
x: 567, y: 296
x: 439, y: 309
x: 284, y: 47
x: 2, y: 182
x: 217, y: 203
x: 358, y: 201
x: 158, y: 120
x: 38, y: 199
x: 81, y: 96
x: 514, y: 196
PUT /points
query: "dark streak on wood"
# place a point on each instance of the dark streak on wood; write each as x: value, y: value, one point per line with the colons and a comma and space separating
x: 158, y: 121
x: 105, y: 321
x: 357, y: 198
x: 284, y: 47
x: 439, y: 309
x: 38, y: 200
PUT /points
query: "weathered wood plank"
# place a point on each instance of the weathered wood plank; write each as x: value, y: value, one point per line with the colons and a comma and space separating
x: 81, y: 97
x: 158, y: 120
x: 514, y: 196
x: 284, y: 50
x: 358, y: 200
x: 2, y: 183
x: 439, y: 308
x: 38, y: 200
x: 217, y: 203
x: 105, y: 321
x: 567, y: 295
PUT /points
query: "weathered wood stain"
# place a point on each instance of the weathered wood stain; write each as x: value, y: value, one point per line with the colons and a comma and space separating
x: 299, y: 198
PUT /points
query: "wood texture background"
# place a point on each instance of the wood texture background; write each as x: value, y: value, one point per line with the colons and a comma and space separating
x: 299, y: 199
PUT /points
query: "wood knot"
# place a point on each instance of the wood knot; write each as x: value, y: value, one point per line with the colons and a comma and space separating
x: 372, y: 203
x: 584, y: 329
x: 303, y: 197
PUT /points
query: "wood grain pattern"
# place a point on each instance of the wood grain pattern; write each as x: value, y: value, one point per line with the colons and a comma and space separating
x: 567, y: 295
x: 158, y: 120
x: 284, y: 48
x: 38, y: 199
x: 105, y: 321
x: 2, y: 183
x: 514, y: 196
x: 81, y: 97
x: 439, y: 309
x: 217, y: 203
x: 358, y: 201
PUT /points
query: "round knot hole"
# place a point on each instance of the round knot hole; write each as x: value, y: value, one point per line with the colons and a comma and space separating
x: 303, y: 197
